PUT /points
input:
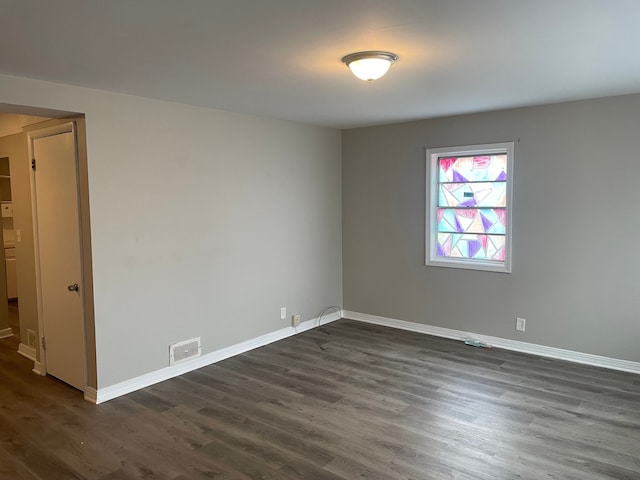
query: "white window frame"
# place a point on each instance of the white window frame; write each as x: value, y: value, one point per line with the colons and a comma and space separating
x: 431, y: 236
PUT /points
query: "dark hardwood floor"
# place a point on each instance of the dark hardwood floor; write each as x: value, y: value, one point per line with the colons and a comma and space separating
x: 364, y: 402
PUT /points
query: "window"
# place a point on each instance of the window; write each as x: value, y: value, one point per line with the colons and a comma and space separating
x: 469, y: 207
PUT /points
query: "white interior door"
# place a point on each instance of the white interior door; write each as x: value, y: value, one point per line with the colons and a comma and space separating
x: 59, y: 255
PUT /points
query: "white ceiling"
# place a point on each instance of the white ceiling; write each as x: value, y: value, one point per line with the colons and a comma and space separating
x: 281, y: 58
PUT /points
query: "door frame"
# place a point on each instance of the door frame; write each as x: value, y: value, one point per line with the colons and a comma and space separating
x: 40, y: 366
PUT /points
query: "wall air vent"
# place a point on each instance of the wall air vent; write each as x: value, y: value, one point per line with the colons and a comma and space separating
x: 181, y: 351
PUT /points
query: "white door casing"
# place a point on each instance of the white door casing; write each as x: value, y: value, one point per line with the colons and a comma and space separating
x: 58, y: 254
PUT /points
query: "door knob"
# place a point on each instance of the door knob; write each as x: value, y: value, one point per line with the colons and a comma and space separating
x: 73, y: 288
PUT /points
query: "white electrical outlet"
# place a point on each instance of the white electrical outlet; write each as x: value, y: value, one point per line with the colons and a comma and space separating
x: 520, y: 324
x: 283, y: 313
x: 295, y: 320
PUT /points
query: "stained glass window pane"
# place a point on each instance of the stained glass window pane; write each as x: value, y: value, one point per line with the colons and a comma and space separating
x: 472, y: 220
x: 465, y: 245
x: 475, y: 168
x: 490, y: 194
x: 469, y: 207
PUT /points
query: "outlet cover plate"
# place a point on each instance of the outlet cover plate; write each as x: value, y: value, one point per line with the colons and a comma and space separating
x: 520, y: 324
x: 295, y: 320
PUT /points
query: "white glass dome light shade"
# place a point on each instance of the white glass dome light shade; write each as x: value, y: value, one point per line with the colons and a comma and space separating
x: 370, y: 66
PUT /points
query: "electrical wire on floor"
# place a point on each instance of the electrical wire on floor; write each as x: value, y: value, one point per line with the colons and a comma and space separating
x: 322, y: 314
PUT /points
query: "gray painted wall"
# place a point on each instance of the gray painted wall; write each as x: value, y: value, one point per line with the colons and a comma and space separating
x: 575, y: 227
x: 203, y: 222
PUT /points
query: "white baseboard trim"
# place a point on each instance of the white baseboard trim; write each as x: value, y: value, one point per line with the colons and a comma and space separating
x: 517, y: 346
x: 6, y: 333
x: 91, y: 395
x: 30, y: 353
x: 37, y: 368
x: 27, y: 351
x: 102, y: 395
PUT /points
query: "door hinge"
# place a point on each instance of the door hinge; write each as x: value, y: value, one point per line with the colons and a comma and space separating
x: 44, y: 343
x: 33, y: 163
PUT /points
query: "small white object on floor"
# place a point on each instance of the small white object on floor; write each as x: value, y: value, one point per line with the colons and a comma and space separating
x: 476, y: 343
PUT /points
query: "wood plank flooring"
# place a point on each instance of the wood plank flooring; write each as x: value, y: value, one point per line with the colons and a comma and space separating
x: 364, y: 402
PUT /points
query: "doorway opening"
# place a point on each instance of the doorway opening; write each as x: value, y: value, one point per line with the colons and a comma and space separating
x: 24, y: 312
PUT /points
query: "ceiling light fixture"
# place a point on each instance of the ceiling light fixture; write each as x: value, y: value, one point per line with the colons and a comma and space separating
x: 369, y: 66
